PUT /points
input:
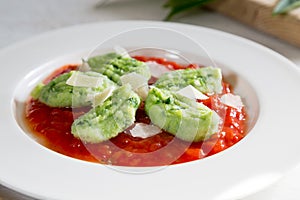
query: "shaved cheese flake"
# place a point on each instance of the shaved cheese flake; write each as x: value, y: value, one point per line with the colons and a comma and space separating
x: 134, y: 79
x: 121, y: 51
x: 144, y: 130
x: 157, y: 69
x: 142, y: 91
x: 82, y: 80
x: 233, y: 101
x: 100, y: 98
x: 84, y: 67
x: 138, y: 83
x: 192, y: 93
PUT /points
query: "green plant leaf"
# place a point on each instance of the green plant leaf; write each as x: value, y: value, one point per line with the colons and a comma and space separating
x: 178, y: 6
x: 285, y: 6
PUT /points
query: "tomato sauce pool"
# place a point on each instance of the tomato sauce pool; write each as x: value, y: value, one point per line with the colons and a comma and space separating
x: 52, y: 128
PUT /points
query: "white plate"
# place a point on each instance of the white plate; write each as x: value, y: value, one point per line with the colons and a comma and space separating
x: 268, y: 151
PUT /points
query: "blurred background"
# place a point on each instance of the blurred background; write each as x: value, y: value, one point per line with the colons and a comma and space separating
x: 22, y: 19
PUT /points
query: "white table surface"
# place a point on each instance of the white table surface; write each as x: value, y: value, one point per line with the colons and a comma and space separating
x: 21, y: 19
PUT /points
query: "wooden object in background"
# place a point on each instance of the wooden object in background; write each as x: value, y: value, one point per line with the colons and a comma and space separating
x: 258, y: 13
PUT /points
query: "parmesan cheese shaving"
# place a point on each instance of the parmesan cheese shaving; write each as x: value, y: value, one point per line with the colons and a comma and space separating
x: 144, y: 130
x: 157, y: 69
x: 134, y: 79
x: 82, y: 80
x: 138, y: 83
x: 121, y: 51
x: 100, y: 98
x: 233, y: 101
x: 192, y: 93
x: 142, y: 91
x: 84, y: 67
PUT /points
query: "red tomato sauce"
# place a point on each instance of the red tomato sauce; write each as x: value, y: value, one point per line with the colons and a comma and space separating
x: 52, y: 128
